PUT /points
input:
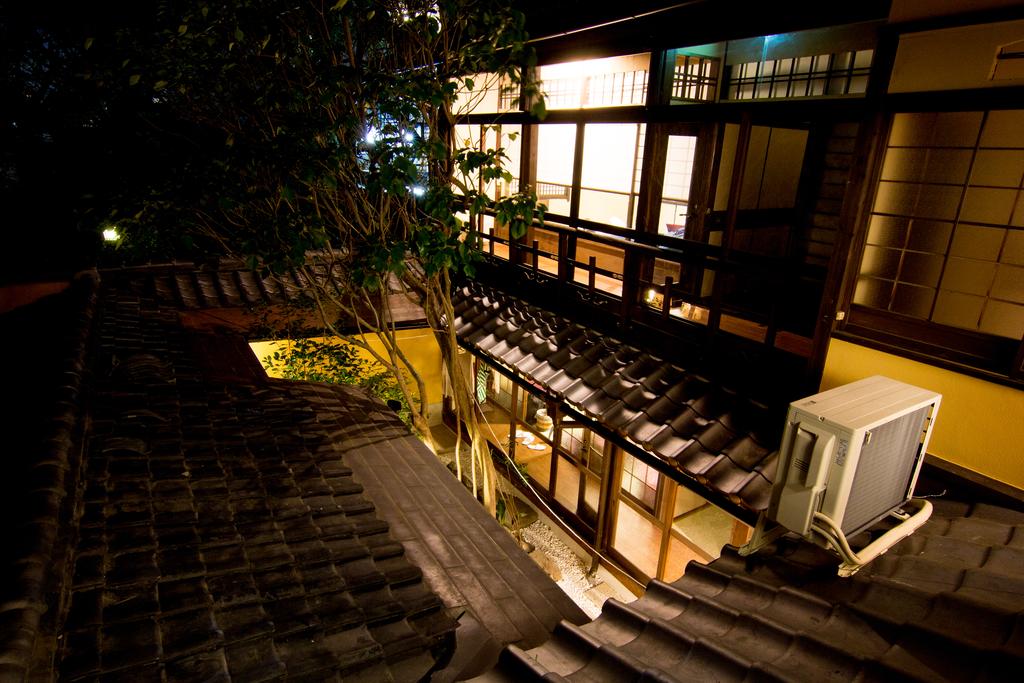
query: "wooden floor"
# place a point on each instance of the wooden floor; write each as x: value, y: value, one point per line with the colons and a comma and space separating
x: 639, y: 539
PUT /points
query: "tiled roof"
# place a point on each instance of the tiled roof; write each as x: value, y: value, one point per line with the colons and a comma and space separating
x: 43, y: 346
x: 946, y: 604
x: 228, y: 284
x: 222, y: 294
x: 716, y: 436
x: 222, y: 531
x: 472, y: 562
x: 223, y: 536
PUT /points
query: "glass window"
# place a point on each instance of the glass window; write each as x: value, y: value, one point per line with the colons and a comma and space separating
x: 612, y: 158
x: 595, y: 454
x: 679, y: 555
x: 502, y: 140
x: 556, y: 145
x: 489, y: 94
x: 539, y: 470
x: 800, y: 64
x: 608, y: 263
x: 496, y: 242
x: 640, y: 481
x: 942, y: 239
x: 695, y: 73
x: 610, y: 82
x: 675, y: 193
x: 572, y: 440
x: 499, y: 388
x: 579, y: 468
x: 637, y: 538
x: 567, y: 484
x: 584, y: 446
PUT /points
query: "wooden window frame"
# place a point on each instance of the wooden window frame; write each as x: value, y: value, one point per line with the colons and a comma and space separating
x: 978, y: 354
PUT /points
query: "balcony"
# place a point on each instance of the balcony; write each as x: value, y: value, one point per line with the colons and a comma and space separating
x: 706, y: 297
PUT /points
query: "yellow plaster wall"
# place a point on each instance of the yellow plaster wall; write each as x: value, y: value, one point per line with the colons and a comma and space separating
x: 980, y: 425
x: 418, y: 345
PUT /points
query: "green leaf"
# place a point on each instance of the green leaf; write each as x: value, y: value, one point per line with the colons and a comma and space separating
x: 159, y: 85
x: 239, y: 35
x: 183, y: 29
x: 539, y: 109
x: 88, y: 42
x: 340, y: 4
x: 133, y: 79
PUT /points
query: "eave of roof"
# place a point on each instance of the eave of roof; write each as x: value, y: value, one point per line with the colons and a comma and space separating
x: 704, y: 432
x: 229, y: 294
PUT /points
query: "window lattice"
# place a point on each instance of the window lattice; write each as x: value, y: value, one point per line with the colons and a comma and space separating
x: 640, y: 481
x: 616, y: 89
x: 695, y: 79
x: 946, y: 235
x: 841, y: 73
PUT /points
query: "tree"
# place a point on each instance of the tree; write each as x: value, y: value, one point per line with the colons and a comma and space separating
x: 64, y: 144
x: 323, y: 138
x: 336, y: 361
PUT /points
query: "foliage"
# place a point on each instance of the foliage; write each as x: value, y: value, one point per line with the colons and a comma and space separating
x: 323, y: 126
x: 336, y: 361
x: 326, y: 129
x: 69, y: 148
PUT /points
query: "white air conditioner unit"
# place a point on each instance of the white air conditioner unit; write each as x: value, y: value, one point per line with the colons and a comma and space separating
x: 850, y: 456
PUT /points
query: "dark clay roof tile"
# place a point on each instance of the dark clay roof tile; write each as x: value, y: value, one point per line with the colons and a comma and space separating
x: 663, y: 377
x: 696, y: 460
x: 745, y: 453
x: 543, y: 372
x: 618, y: 415
x: 560, y: 382
x: 668, y: 444
x: 598, y: 403
x: 688, y: 423
x: 756, y: 493
x: 579, y: 392
x: 687, y: 389
x: 724, y: 476
x: 715, y: 436
x: 617, y: 387
x: 640, y: 367
x: 642, y: 428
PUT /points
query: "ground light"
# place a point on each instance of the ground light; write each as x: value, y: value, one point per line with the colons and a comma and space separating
x: 111, y: 234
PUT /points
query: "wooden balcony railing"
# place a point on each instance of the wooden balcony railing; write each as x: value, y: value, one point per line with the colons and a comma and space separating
x: 673, y: 287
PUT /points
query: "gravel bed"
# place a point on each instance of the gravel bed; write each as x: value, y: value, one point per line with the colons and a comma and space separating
x: 574, y: 581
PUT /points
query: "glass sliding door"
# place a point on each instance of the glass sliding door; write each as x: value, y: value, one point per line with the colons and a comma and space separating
x: 612, y: 160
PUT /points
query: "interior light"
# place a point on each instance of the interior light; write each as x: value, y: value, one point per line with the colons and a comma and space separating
x: 418, y: 190
x: 111, y: 234
x: 578, y: 69
x: 409, y: 137
x: 371, y: 136
x: 651, y: 294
